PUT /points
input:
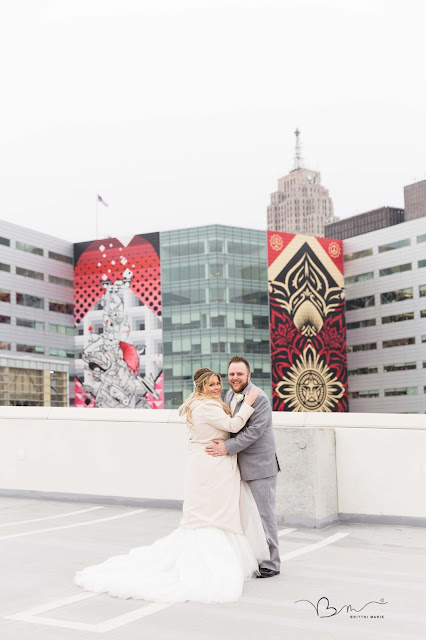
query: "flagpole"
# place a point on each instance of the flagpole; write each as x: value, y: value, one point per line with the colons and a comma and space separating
x: 97, y: 233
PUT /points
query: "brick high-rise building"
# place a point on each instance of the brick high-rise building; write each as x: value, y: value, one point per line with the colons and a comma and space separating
x: 415, y: 200
x: 301, y: 204
x: 364, y: 223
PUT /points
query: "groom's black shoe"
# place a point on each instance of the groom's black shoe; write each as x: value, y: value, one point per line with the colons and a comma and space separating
x: 267, y: 573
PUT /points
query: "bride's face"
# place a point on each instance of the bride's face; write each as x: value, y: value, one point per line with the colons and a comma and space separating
x: 213, y: 387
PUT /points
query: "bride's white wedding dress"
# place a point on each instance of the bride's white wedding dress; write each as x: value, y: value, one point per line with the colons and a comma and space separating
x: 220, y: 541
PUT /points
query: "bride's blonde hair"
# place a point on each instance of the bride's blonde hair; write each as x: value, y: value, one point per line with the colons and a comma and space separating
x: 202, y: 378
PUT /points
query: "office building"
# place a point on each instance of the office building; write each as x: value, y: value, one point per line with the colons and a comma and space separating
x: 301, y: 204
x: 385, y: 280
x: 415, y: 200
x: 364, y: 223
x: 215, y: 304
x: 36, y: 301
x: 32, y: 382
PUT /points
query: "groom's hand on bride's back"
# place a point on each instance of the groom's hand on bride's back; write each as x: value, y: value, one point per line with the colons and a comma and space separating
x: 217, y: 448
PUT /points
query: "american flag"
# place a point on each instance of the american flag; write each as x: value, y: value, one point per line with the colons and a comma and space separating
x: 103, y: 201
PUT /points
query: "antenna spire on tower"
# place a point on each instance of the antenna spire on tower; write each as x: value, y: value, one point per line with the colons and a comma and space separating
x: 298, y: 160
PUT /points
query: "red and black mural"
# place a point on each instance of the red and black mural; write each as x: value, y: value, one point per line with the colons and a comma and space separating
x: 307, y: 323
x: 117, y: 292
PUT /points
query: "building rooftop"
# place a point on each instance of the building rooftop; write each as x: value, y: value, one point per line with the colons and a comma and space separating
x: 378, y: 570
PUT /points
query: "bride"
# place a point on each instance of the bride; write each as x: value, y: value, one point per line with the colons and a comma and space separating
x: 220, y: 541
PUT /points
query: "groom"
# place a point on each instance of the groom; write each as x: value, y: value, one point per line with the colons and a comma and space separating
x: 257, y: 458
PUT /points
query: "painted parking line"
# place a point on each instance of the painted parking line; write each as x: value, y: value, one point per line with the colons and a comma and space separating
x: 284, y: 532
x: 313, y: 547
x: 71, y: 526
x: 32, y: 615
x: 59, y: 515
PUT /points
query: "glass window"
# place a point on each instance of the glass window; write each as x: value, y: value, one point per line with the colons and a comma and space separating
x: 215, y: 270
x: 421, y: 263
x: 360, y: 303
x: 4, y: 295
x: 23, y: 246
x: 398, y: 342
x: 421, y: 238
x: 423, y: 339
x: 398, y: 269
x: 5, y: 241
x: 358, y: 254
x: 27, y: 300
x: 404, y: 366
x: 369, y: 346
x: 394, y: 245
x: 61, y: 353
x: 360, y: 277
x: 60, y: 328
x: 31, y: 324
x: 4, y: 319
x: 371, y: 322
x: 396, y: 296
x: 62, y: 281
x: 423, y: 313
x: 218, y: 347
x: 36, y: 275
x: 5, y: 346
x: 364, y: 394
x: 61, y: 307
x: 422, y: 290
x: 402, y: 391
x: 362, y: 371
x: 216, y: 246
x: 60, y: 257
x: 399, y: 317
x: 29, y: 348
x: 4, y: 267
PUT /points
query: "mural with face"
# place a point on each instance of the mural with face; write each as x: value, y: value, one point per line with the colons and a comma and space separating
x: 118, y: 320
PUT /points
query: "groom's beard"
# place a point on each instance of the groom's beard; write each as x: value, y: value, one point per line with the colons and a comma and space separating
x: 239, y: 388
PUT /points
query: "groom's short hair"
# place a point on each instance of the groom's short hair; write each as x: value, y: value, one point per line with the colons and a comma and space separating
x: 239, y: 359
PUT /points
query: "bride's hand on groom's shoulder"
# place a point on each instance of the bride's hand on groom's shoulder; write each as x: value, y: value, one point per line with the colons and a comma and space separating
x: 251, y: 396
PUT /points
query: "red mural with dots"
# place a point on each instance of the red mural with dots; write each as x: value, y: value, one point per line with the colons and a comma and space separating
x: 118, y: 318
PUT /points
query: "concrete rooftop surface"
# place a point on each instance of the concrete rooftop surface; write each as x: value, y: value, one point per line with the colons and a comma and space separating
x: 378, y: 570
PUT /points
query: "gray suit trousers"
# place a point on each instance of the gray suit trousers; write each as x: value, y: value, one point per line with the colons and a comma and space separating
x: 263, y: 491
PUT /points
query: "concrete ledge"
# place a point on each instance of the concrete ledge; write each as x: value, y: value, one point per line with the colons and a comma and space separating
x: 148, y: 503
x: 364, y: 518
x: 308, y: 523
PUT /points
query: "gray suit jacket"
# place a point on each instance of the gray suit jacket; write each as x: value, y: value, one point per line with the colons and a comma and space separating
x: 255, y: 443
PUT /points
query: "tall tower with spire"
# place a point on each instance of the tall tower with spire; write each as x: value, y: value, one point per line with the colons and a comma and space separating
x: 301, y: 204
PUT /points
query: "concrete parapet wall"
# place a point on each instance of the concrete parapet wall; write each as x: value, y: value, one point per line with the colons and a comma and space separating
x: 355, y: 467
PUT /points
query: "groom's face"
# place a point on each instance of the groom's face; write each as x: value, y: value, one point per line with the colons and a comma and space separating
x: 238, y: 376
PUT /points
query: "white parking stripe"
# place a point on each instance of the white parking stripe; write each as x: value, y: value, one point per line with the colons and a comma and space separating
x: 84, y: 595
x: 31, y: 615
x: 71, y: 526
x: 142, y: 612
x: 312, y: 547
x: 284, y: 532
x: 60, y: 515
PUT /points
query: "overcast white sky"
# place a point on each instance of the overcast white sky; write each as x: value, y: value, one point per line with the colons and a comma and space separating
x: 182, y: 112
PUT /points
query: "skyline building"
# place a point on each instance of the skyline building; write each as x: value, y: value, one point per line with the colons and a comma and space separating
x: 215, y: 304
x: 364, y: 223
x: 36, y: 317
x: 301, y: 204
x: 385, y: 281
x: 415, y: 200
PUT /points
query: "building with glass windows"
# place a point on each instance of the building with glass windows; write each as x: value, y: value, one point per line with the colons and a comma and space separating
x: 215, y: 304
x: 33, y: 382
x: 385, y: 280
x: 36, y: 303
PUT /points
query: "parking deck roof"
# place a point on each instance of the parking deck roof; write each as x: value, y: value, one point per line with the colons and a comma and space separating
x: 378, y: 570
